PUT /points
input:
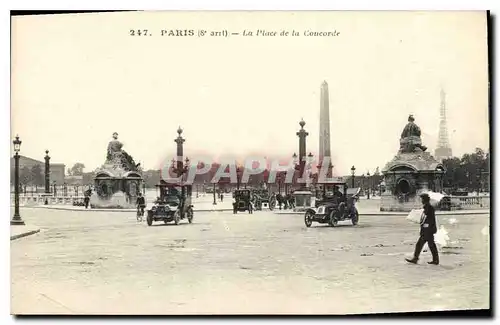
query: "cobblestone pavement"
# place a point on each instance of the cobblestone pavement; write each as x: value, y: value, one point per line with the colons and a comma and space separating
x: 94, y: 263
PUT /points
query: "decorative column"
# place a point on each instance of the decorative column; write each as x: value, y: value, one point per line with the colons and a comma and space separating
x: 180, y: 152
x: 302, y: 134
x: 47, y: 172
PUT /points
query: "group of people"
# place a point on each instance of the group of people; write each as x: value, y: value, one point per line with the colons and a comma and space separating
x: 286, y: 201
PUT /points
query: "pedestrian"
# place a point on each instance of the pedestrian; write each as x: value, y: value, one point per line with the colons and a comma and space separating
x: 221, y: 197
x: 427, y: 230
x: 86, y: 199
x: 140, y: 204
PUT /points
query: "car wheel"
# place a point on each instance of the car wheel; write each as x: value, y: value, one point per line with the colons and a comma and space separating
x: 308, y: 219
x: 149, y: 219
x: 333, y: 221
x: 177, y: 217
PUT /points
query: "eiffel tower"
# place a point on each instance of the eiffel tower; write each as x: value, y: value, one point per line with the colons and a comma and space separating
x: 443, y: 150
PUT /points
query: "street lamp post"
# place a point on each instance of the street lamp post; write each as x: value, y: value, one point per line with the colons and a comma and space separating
x: 47, y: 172
x: 353, y: 171
x: 369, y: 185
x: 215, y: 200
x: 16, y: 220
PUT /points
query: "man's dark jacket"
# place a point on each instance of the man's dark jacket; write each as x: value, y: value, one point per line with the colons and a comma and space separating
x: 428, y: 222
x: 140, y: 201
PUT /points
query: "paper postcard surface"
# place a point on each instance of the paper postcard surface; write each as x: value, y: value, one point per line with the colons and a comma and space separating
x: 248, y: 162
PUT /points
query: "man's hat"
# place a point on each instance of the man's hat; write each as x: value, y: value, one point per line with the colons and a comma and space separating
x: 425, y: 196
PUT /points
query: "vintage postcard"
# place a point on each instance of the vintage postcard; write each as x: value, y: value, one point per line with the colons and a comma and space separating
x: 250, y: 162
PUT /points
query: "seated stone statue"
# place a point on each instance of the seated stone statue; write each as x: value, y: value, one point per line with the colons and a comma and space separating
x: 410, y: 137
x: 114, y: 149
x: 119, y: 157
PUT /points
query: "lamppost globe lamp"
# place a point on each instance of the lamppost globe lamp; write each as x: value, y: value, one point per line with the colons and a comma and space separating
x: 16, y: 219
x: 353, y: 170
x: 17, y: 144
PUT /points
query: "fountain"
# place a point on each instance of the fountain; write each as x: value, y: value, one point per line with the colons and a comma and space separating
x: 411, y: 172
x: 118, y: 181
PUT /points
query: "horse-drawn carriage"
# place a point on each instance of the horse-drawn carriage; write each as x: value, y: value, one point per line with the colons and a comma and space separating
x: 172, y: 204
x: 262, y: 199
x: 335, y: 204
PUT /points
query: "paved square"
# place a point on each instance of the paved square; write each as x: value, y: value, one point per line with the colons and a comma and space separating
x: 98, y: 262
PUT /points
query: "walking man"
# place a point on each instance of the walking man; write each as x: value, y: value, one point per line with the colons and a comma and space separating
x: 86, y: 199
x: 427, y: 230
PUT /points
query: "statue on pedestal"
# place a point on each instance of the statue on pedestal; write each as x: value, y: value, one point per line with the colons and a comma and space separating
x: 118, y: 157
x: 410, y: 138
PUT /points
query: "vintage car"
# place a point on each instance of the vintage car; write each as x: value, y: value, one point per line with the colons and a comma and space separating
x: 242, y: 201
x: 303, y: 200
x: 334, y: 206
x: 173, y: 204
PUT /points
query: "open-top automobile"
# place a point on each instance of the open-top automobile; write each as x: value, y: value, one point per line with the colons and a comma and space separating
x: 172, y: 204
x: 335, y: 203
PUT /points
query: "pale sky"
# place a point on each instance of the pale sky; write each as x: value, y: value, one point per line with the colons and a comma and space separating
x: 76, y: 79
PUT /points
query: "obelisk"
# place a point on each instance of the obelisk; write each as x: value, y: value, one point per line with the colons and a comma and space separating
x: 324, y: 125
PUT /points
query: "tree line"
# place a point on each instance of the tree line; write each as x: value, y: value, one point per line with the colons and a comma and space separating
x: 471, y: 172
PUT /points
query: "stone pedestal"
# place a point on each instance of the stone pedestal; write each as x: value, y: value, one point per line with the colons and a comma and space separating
x: 406, y: 176
x: 115, y: 188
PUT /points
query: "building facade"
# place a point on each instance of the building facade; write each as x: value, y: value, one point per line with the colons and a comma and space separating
x: 56, y: 170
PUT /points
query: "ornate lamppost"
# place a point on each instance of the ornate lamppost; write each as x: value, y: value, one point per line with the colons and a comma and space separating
x: 353, y: 171
x: 181, y: 168
x: 47, y: 172
x: 16, y: 220
x: 369, y: 184
x: 215, y: 199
